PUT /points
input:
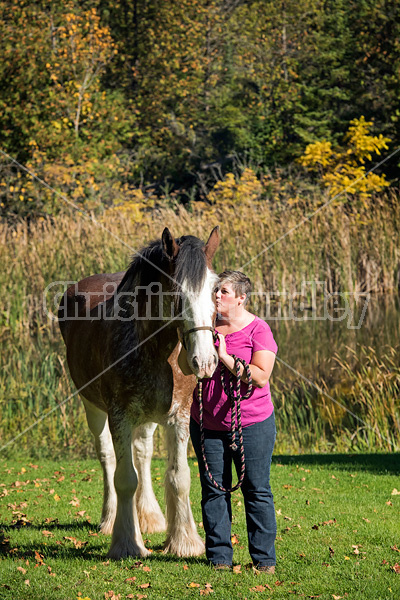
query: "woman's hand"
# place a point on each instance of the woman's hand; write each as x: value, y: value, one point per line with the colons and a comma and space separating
x: 221, y: 349
x: 261, y: 364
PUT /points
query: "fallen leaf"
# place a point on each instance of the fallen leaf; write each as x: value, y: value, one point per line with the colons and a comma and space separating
x: 147, y: 569
x: 336, y: 597
x: 331, y: 551
x: 47, y: 533
x: 234, y: 539
x: 130, y: 579
x: 143, y: 586
x: 389, y: 503
x: 193, y: 585
x: 237, y: 569
x: 366, y: 520
x: 111, y: 596
x: 395, y: 548
x: 23, y: 571
x: 395, y: 492
x: 56, y: 497
x: 39, y: 558
x: 396, y: 568
x: 260, y: 588
x: 27, y: 582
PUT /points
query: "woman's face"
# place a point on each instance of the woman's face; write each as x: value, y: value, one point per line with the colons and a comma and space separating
x: 227, y: 302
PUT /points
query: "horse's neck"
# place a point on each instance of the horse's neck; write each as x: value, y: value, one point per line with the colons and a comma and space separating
x: 137, y: 314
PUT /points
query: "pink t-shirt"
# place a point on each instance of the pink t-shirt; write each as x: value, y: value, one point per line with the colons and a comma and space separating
x: 216, y: 406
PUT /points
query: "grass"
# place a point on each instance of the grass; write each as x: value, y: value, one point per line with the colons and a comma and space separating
x: 338, y: 526
x: 336, y: 247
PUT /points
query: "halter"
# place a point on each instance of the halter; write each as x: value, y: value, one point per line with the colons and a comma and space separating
x: 232, y: 390
x: 204, y: 328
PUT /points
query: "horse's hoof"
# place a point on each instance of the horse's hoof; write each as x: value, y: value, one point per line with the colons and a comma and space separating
x: 152, y: 522
x: 106, y: 527
x: 124, y: 549
x: 193, y: 547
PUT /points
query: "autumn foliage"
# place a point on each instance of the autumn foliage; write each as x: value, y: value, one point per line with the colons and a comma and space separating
x: 107, y: 102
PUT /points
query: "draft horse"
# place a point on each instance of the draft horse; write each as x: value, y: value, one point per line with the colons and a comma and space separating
x: 120, y: 332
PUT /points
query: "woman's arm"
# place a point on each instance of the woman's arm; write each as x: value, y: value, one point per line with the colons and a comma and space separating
x: 261, y: 364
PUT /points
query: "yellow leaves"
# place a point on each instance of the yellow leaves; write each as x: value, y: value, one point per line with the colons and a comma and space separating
x: 343, y: 171
x: 362, y: 144
x: 233, y: 192
x: 318, y: 153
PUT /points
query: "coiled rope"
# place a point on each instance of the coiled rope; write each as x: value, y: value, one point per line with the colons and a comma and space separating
x: 232, y: 390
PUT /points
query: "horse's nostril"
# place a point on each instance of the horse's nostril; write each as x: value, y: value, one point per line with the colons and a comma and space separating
x: 195, y: 362
x: 215, y: 359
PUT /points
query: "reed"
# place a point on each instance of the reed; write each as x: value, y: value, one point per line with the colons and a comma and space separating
x: 336, y: 246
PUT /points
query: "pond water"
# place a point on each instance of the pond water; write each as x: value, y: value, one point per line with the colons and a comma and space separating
x: 309, y: 337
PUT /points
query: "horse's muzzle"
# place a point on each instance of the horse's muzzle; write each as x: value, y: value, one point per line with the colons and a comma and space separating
x: 204, y: 371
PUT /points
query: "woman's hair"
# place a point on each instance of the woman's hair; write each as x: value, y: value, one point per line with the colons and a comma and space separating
x: 240, y: 283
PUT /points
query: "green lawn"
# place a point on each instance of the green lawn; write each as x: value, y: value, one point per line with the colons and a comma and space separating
x: 338, y: 535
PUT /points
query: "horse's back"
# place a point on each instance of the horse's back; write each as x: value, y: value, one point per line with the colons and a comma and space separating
x: 83, y: 297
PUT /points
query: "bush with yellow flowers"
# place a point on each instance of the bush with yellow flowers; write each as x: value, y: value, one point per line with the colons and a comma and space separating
x: 342, y: 170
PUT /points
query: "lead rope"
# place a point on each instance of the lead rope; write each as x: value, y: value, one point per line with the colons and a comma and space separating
x: 232, y: 390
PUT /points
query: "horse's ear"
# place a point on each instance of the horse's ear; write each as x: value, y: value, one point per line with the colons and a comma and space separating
x: 169, y: 245
x: 212, y: 243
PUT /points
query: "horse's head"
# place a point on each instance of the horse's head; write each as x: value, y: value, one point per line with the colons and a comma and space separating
x: 195, y: 281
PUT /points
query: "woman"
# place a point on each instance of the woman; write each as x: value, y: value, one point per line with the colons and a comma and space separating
x: 248, y: 337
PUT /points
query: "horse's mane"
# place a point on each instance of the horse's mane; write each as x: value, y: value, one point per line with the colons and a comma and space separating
x: 190, y: 265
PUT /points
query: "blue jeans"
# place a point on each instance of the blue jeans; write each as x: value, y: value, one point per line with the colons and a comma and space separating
x: 258, y: 443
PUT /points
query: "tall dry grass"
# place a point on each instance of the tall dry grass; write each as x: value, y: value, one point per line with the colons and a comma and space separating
x: 349, y: 251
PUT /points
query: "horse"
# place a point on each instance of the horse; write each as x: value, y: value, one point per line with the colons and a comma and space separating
x: 120, y: 332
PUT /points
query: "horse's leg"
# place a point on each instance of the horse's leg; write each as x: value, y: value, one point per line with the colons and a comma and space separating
x: 98, y: 425
x: 149, y: 513
x: 182, y: 538
x: 126, y: 539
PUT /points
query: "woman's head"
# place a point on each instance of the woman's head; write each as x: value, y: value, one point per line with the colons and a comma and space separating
x: 238, y: 282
